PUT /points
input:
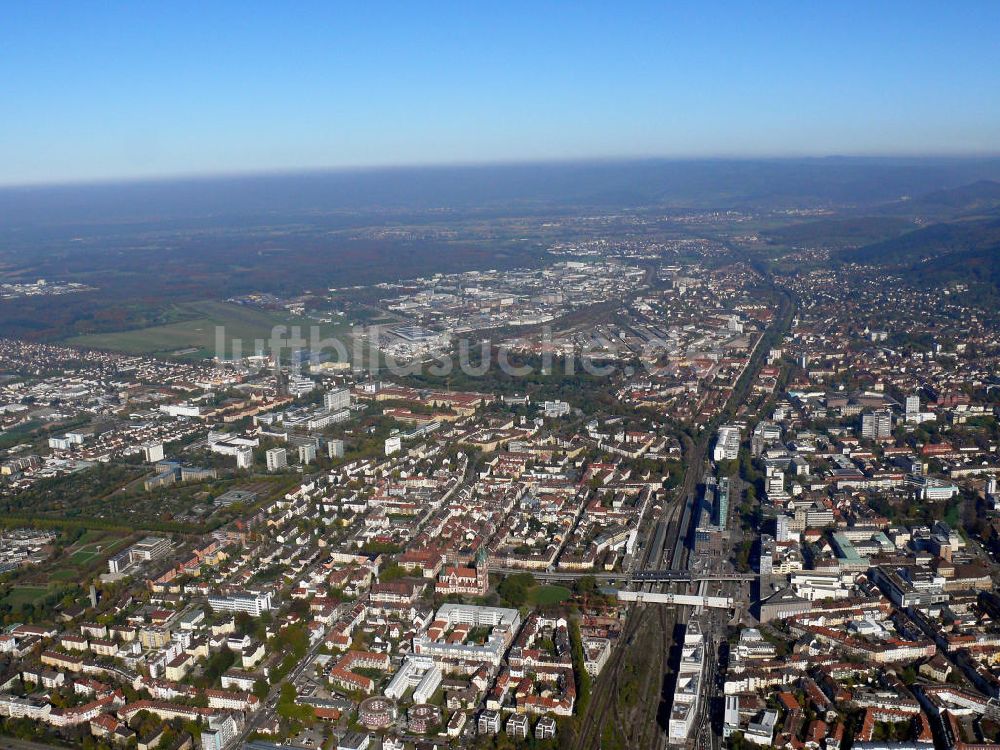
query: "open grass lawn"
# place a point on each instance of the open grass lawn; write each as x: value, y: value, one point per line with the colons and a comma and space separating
x: 85, y: 554
x: 65, y: 574
x: 195, y: 337
x: 92, y: 544
x: 91, y: 535
x: 546, y: 595
x: 20, y: 595
x: 95, y: 545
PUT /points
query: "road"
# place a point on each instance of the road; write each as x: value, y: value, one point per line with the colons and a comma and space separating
x: 266, y: 711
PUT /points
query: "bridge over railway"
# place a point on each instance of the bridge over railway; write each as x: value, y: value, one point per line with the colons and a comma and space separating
x: 687, y: 575
x: 643, y: 576
x: 690, y: 600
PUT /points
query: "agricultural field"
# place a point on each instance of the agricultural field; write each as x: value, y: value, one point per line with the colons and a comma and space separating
x: 195, y: 336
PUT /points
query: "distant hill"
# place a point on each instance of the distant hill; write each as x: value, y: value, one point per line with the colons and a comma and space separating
x: 930, y: 242
x: 976, y: 198
x: 851, y: 231
x: 966, y: 251
x: 860, y: 183
x: 976, y: 266
x: 884, y: 232
x: 965, y: 247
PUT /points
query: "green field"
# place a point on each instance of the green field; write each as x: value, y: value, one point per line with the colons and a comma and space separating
x: 91, y: 535
x: 87, y: 553
x: 546, y: 595
x: 20, y: 595
x: 83, y: 556
x: 65, y: 575
x: 195, y: 337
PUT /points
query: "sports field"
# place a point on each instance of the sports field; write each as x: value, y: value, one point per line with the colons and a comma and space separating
x: 195, y: 337
x: 548, y: 594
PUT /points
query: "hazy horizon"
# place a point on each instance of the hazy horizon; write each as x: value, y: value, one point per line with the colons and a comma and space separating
x: 146, y: 92
x: 367, y: 169
x: 336, y: 197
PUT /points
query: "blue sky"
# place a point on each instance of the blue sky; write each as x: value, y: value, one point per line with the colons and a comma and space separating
x: 105, y: 90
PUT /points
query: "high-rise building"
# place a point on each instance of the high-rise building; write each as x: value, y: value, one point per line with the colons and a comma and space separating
x: 722, y: 503
x: 781, y: 528
x: 244, y: 457
x: 913, y: 404
x: 337, y: 399
x: 877, y: 425
x: 335, y: 449
x: 277, y: 459
x: 152, y: 452
x: 766, y: 565
x: 393, y: 445
x: 775, y: 483
x: 220, y: 732
x: 883, y: 420
x: 307, y: 453
x: 868, y: 425
x: 731, y: 720
x: 727, y: 445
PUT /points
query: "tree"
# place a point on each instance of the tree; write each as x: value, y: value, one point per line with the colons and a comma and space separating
x: 391, y: 571
x: 580, y: 673
x: 514, y: 588
x: 289, y: 709
x: 217, y: 663
x: 261, y: 688
x: 586, y: 586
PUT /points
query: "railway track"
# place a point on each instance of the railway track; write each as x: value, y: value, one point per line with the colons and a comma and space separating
x: 603, y: 699
x: 670, y: 533
x: 603, y: 702
x: 642, y: 729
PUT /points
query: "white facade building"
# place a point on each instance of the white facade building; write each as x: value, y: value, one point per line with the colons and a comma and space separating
x: 277, y: 459
x: 727, y: 444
